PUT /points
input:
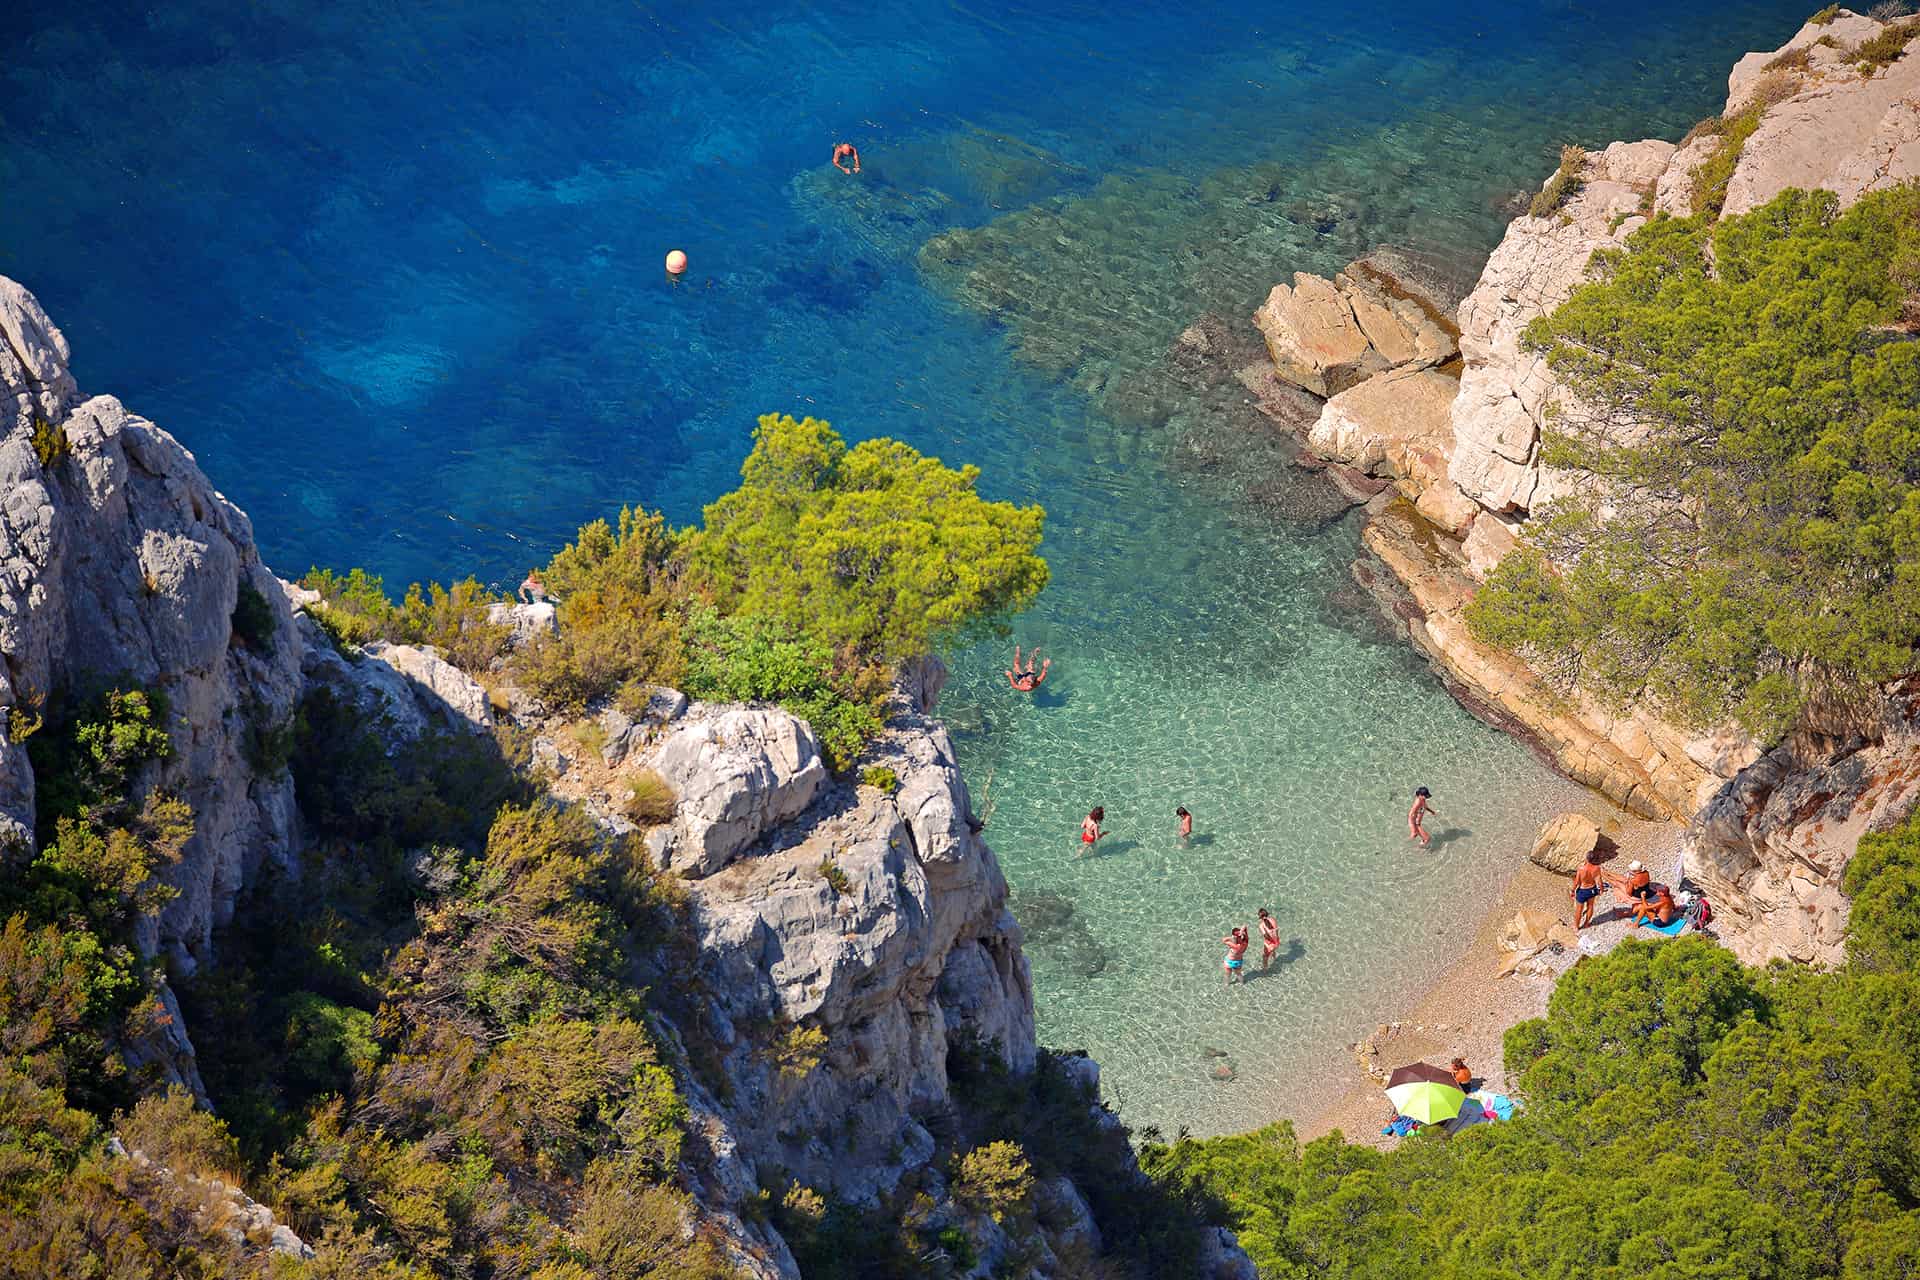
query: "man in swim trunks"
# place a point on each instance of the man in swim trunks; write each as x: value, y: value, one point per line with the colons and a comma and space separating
x: 1090, y: 831
x: 1027, y: 679
x: 845, y: 151
x: 1660, y: 908
x: 1422, y: 806
x: 1236, y: 943
x: 1269, y: 939
x: 1586, y: 887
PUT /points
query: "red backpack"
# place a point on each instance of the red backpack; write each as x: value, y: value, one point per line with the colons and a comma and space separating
x: 1700, y: 911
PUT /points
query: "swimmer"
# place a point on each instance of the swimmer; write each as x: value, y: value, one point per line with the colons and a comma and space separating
x: 1269, y: 939
x: 1090, y: 832
x: 1027, y: 679
x: 1422, y: 806
x: 1236, y: 944
x: 1186, y: 822
x: 533, y: 590
x: 845, y: 151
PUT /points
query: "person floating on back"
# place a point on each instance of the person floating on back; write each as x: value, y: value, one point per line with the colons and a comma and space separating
x: 1422, y: 806
x: 843, y: 151
x: 533, y: 590
x: 1027, y: 679
x: 1269, y: 939
x: 1236, y: 942
x: 1186, y: 821
x: 1586, y: 887
x: 1090, y: 831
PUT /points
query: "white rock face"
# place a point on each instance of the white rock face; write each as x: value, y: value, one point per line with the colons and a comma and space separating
x: 1315, y: 341
x: 527, y: 620
x: 738, y: 773
x: 409, y: 690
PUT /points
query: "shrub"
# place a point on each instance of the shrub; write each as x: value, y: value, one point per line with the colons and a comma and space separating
x: 1885, y: 48
x: 354, y: 610
x: 882, y: 777
x: 169, y: 1128
x: 1562, y: 186
x: 650, y: 799
x: 875, y: 548
x: 49, y: 442
x: 1883, y: 879
x: 1825, y: 16
x: 994, y: 1179
x: 1890, y: 10
x: 253, y: 620
x: 1711, y: 176
x: 1766, y: 412
x: 797, y: 1051
x: 835, y: 876
x: 1788, y: 60
x: 748, y: 659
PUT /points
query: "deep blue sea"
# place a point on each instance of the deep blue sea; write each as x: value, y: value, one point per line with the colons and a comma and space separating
x: 394, y: 273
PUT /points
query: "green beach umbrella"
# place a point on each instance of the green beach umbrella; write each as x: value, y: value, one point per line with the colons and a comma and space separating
x: 1427, y: 1100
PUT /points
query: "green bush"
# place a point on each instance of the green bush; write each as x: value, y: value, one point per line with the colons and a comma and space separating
x: 1885, y: 48
x: 994, y: 1179
x: 1562, y: 186
x: 797, y: 1051
x: 876, y: 548
x: 253, y: 620
x: 1751, y: 546
x: 882, y: 777
x: 835, y: 876
x: 1711, y: 176
x: 49, y: 442
x: 1825, y: 16
x: 354, y: 610
x: 750, y: 659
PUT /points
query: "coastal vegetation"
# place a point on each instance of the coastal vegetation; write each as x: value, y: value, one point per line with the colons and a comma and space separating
x: 803, y: 587
x: 1685, y: 1118
x: 1741, y: 402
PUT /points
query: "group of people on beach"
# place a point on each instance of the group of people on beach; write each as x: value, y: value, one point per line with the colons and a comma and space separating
x: 1636, y: 891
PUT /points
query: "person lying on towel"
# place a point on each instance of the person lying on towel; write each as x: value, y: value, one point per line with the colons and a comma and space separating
x: 1660, y: 908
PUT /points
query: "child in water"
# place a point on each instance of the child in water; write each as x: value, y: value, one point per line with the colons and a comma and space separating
x: 1186, y: 821
x: 1090, y: 831
x: 1236, y: 943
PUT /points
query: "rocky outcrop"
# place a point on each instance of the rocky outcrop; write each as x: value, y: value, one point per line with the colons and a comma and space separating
x: 222, y: 1209
x: 1328, y: 335
x: 407, y: 690
x: 737, y: 773
x: 1565, y: 842
x: 1770, y: 833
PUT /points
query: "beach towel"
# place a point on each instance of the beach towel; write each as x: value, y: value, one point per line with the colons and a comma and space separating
x: 1665, y: 930
x: 1498, y: 1106
x: 1401, y: 1127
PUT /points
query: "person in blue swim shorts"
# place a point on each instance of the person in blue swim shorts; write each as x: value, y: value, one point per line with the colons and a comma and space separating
x: 1236, y: 943
x: 1586, y: 887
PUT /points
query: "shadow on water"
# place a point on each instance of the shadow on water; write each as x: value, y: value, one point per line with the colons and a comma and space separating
x: 1295, y: 948
x: 1200, y: 841
x: 1051, y: 696
x: 1448, y: 836
x: 1114, y: 848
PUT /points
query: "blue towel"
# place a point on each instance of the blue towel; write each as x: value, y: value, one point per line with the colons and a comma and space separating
x: 1669, y: 930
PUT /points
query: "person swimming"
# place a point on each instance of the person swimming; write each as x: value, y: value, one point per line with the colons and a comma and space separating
x: 1422, y: 806
x: 1236, y: 942
x: 1090, y: 832
x: 1186, y: 821
x: 1027, y: 679
x: 846, y: 151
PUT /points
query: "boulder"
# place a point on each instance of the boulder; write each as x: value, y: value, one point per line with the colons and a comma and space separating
x: 1384, y: 423
x: 1564, y: 843
x: 526, y: 620
x: 738, y: 773
x: 445, y: 692
x: 1313, y: 337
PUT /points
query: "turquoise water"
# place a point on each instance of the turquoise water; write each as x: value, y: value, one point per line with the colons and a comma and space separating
x: 394, y: 274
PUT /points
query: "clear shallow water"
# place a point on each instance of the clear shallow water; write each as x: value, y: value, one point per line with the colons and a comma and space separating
x: 395, y: 278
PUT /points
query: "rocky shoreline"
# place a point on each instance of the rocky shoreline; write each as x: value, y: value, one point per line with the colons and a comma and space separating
x: 1445, y: 452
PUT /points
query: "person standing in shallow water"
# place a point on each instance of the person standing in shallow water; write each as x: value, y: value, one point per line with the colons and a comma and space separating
x: 1090, y: 832
x: 1236, y: 943
x: 1422, y: 806
x: 1186, y: 822
x: 1269, y: 939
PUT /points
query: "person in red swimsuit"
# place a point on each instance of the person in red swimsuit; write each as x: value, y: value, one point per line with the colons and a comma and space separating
x: 845, y: 151
x: 1090, y: 831
x: 1269, y: 939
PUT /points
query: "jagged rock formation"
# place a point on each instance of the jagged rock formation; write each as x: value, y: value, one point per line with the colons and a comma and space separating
x: 1773, y: 830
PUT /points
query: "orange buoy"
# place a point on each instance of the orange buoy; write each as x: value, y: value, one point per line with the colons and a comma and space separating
x: 676, y: 262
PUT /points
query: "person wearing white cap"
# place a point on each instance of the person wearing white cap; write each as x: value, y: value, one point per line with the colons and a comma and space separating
x: 1637, y: 883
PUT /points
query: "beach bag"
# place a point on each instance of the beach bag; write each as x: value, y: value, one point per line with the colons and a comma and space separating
x: 1699, y: 911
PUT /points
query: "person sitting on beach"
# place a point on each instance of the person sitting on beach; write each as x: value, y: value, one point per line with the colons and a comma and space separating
x: 1269, y: 939
x: 1090, y: 831
x: 1586, y: 887
x: 1660, y: 908
x: 846, y: 151
x: 1462, y: 1074
x: 1236, y: 943
x: 1422, y: 806
x: 533, y: 590
x: 1637, y: 883
x: 1186, y: 821
x: 1027, y: 679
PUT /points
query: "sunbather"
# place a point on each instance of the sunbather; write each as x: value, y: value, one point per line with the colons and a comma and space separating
x: 1661, y: 908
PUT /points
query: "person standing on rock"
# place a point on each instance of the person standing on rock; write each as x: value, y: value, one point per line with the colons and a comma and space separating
x: 1422, y: 806
x: 1269, y: 939
x: 532, y: 589
x: 1586, y: 888
x: 1236, y: 942
x: 1090, y: 832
